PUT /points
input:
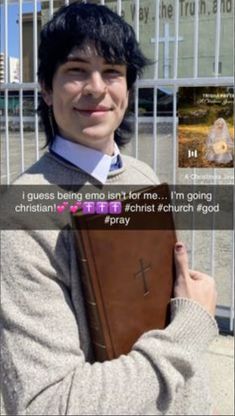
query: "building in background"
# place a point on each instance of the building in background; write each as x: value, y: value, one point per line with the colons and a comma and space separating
x: 207, y: 34
x: 208, y: 29
x: 2, y: 72
x: 148, y: 32
x: 13, y: 69
x: 28, y: 41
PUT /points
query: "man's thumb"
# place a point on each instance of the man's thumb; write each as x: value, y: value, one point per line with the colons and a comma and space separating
x: 181, y: 260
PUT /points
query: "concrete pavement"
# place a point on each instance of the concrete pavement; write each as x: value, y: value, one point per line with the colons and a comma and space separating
x: 221, y: 369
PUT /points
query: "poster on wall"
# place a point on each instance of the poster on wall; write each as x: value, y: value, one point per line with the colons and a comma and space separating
x: 206, y: 127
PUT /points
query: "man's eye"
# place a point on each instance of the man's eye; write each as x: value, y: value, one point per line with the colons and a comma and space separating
x: 77, y: 70
x: 112, y: 71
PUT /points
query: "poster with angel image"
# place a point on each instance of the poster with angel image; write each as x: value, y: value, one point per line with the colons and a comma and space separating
x: 219, y: 145
x: 205, y: 127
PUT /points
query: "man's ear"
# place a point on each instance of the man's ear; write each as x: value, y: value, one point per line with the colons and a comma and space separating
x: 46, y: 95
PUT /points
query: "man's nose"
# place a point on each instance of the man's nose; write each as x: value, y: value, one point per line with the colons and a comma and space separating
x: 95, y: 85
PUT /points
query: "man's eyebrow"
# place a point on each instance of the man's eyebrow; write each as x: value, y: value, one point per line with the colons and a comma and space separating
x: 87, y: 61
x: 77, y: 59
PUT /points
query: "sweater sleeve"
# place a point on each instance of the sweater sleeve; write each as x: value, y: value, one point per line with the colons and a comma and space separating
x: 45, y: 370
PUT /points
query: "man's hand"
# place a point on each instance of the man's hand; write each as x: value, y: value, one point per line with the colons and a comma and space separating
x: 193, y: 284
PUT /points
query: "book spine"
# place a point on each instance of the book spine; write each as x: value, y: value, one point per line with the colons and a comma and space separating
x: 94, y: 322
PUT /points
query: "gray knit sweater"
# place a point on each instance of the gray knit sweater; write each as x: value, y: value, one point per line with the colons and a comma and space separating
x: 46, y: 360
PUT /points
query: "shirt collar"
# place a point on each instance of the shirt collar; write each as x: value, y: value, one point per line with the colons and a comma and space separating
x: 93, y: 162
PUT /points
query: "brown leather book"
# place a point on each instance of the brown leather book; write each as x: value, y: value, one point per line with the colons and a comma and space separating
x: 127, y: 278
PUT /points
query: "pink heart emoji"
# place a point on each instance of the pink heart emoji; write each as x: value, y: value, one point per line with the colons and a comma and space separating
x: 78, y: 203
x: 73, y: 208
x: 60, y: 208
x: 65, y: 203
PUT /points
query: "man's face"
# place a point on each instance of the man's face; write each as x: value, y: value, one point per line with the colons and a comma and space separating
x: 89, y: 98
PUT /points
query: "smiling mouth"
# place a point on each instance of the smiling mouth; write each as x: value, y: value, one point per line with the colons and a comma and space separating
x: 95, y: 111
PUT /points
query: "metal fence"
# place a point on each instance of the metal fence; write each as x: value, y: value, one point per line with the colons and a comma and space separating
x: 167, y: 15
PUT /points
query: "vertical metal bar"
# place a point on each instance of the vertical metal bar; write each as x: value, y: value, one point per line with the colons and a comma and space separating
x: 231, y: 323
x: 6, y: 92
x: 35, y: 41
x: 174, y: 147
x: 175, y: 74
x: 196, y: 39
x: 66, y: 2
x: 156, y: 67
x: 195, y: 74
x: 217, y: 38
x: 136, y: 121
x: 174, y: 134
x: 176, y: 39
x: 6, y: 42
x: 212, y: 265
x: 119, y: 7
x: 35, y: 66
x: 21, y: 81
x: 176, y: 50
x: 155, y: 129
x: 102, y: 2
x: 156, y: 44
x: 21, y: 129
x: 51, y: 8
x: 20, y: 42
x: 136, y: 26
x: 175, y: 90
x: 216, y: 73
x: 137, y: 21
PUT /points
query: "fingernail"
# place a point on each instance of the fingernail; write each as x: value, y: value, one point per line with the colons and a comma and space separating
x: 179, y: 247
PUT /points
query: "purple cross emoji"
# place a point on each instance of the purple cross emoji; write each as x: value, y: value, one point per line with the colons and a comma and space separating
x: 102, y: 207
x: 115, y: 207
x: 88, y: 207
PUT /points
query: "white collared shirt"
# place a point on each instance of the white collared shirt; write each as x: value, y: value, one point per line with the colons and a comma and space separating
x: 92, y: 161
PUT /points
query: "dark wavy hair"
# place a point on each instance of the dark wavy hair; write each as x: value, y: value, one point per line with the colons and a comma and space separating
x: 74, y: 25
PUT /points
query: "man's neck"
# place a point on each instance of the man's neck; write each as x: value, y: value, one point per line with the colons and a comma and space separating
x: 106, y: 147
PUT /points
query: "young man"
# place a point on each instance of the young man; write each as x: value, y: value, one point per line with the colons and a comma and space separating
x: 89, y: 60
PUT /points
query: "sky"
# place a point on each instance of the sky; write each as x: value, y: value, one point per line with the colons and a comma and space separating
x: 13, y: 28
